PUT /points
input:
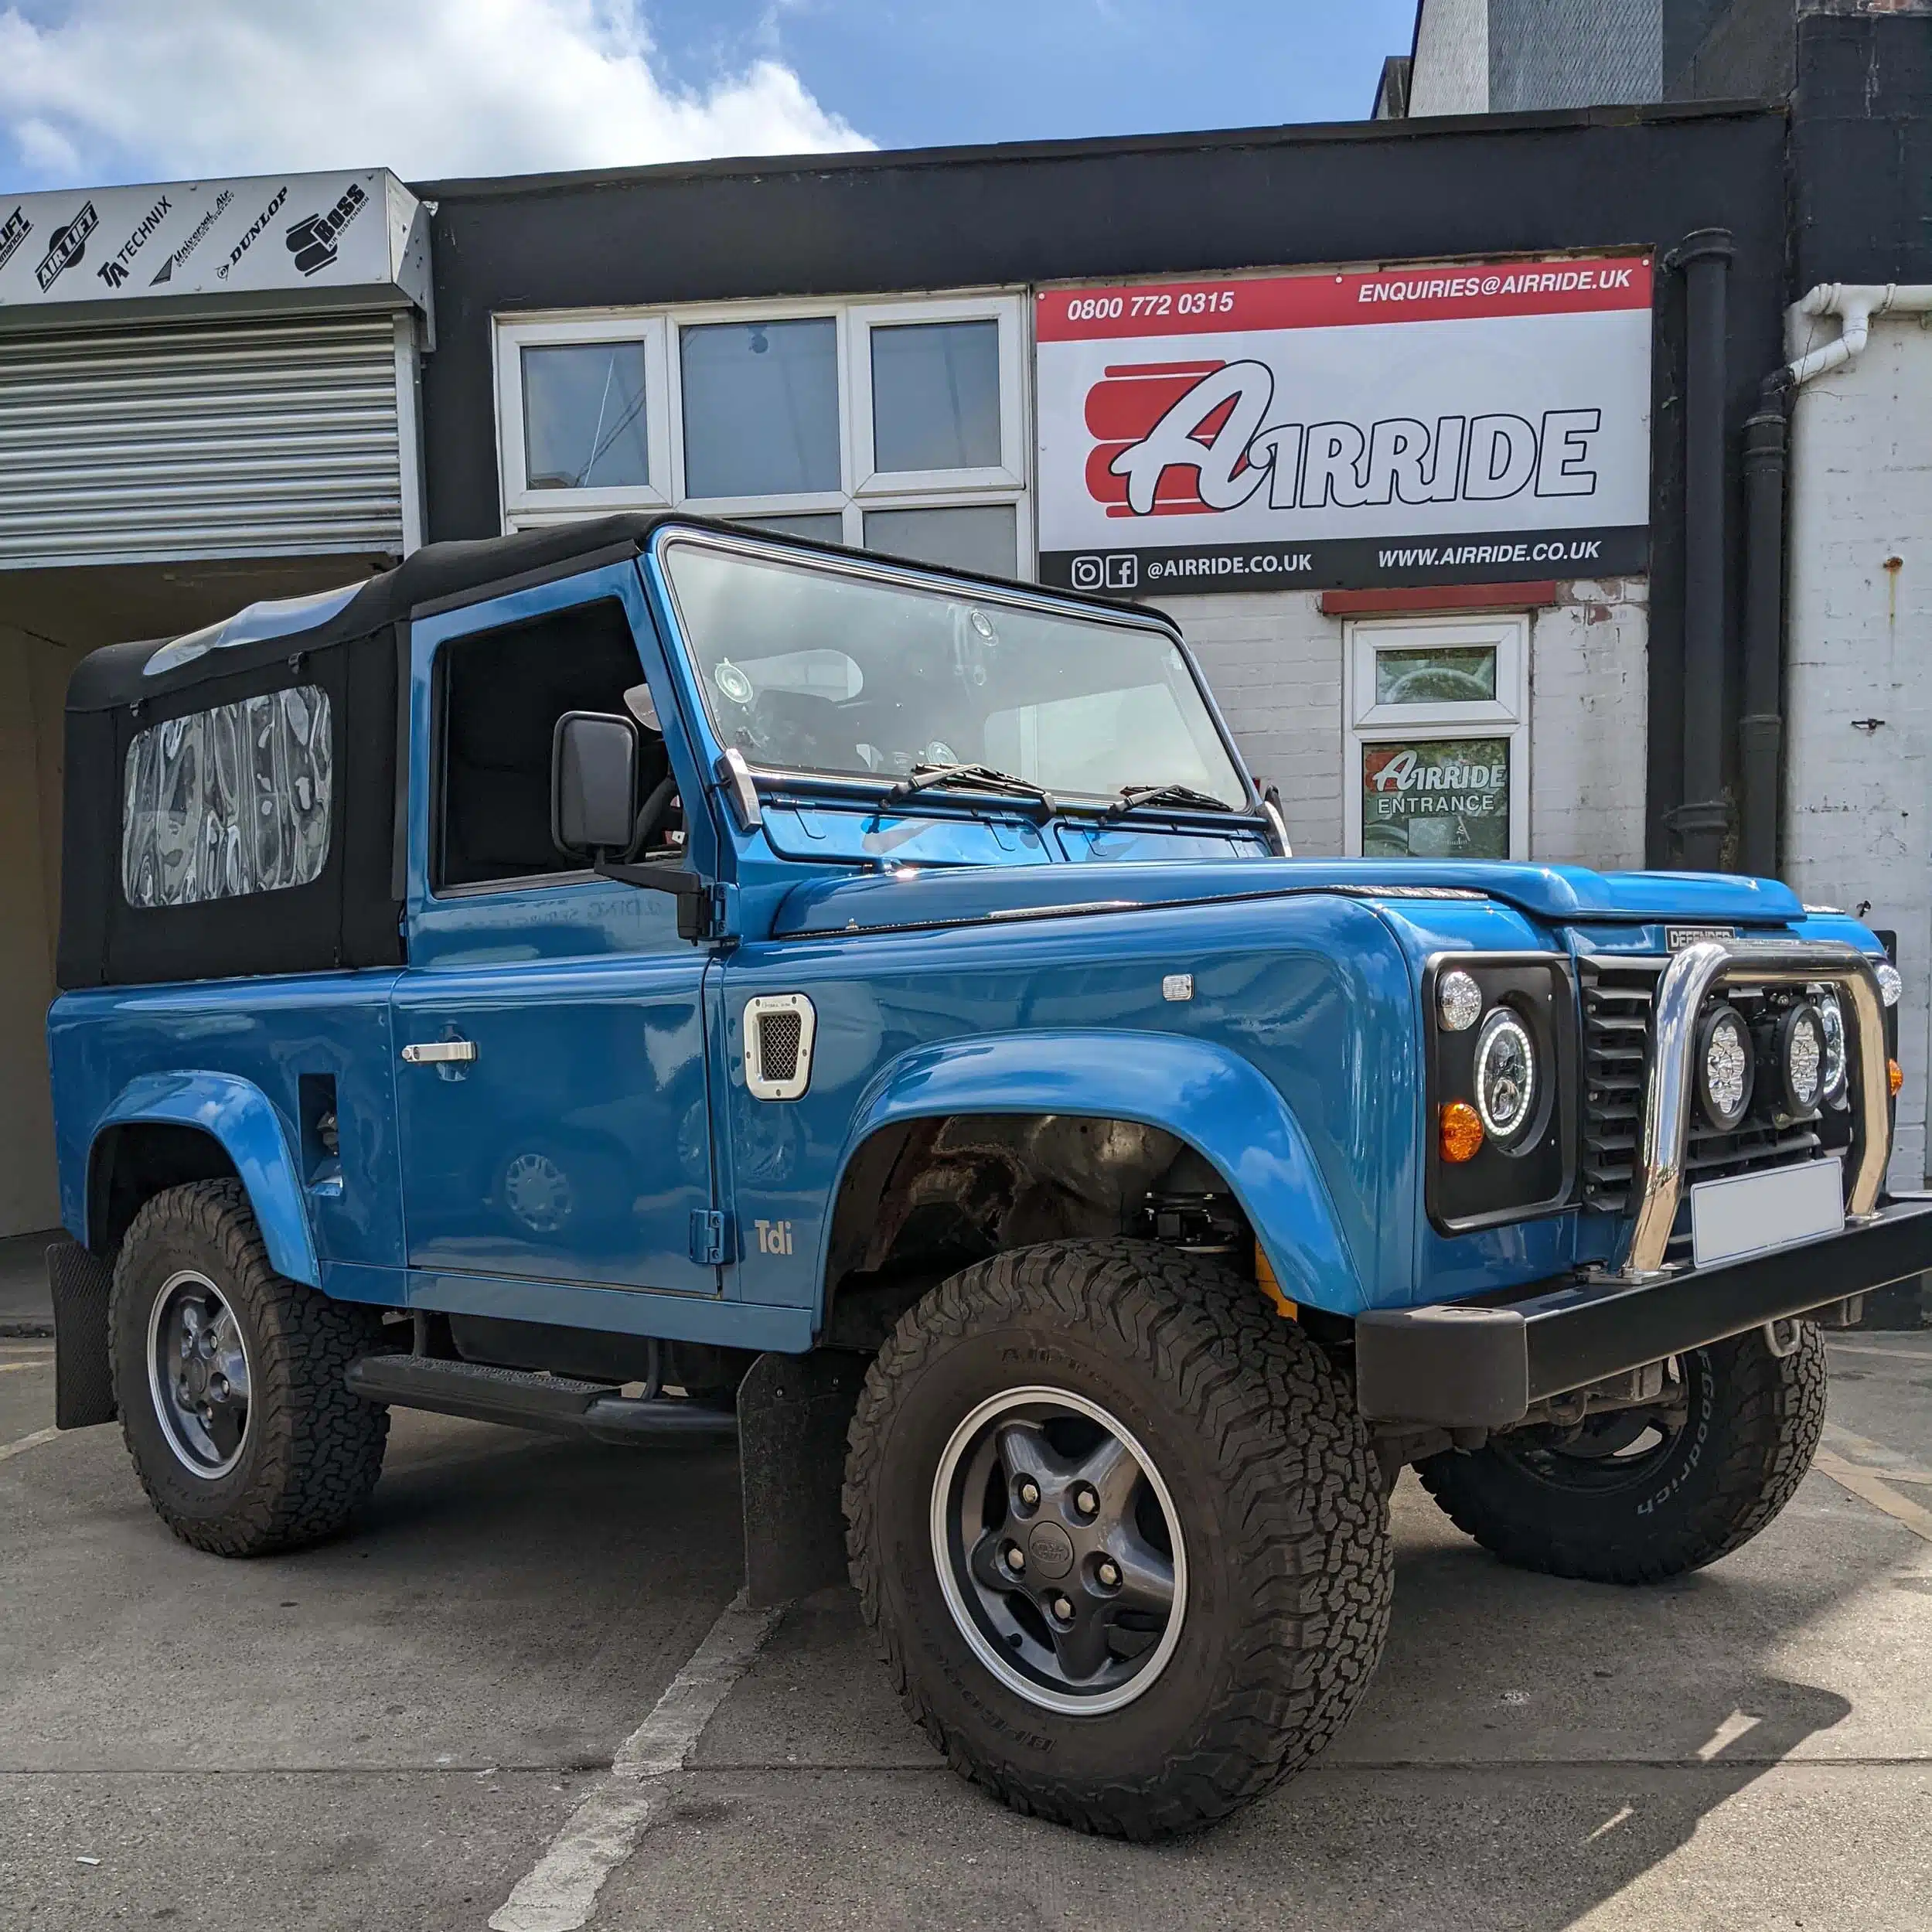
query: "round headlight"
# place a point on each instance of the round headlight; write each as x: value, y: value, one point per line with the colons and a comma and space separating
x: 1459, y: 999
x: 1724, y: 1069
x: 1832, y: 1018
x: 1505, y: 1075
x: 1800, y: 1058
x: 1890, y: 985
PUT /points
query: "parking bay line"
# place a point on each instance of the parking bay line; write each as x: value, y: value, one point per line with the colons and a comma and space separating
x: 559, y: 1892
x: 22, y: 1444
x: 1890, y: 1354
x: 1869, y: 1486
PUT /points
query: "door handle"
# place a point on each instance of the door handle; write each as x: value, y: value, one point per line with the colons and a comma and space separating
x: 436, y: 1053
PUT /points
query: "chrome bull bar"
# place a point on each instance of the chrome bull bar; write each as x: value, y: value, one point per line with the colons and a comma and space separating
x: 1671, y: 1078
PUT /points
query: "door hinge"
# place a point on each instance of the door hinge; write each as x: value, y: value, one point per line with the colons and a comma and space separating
x: 711, y: 1242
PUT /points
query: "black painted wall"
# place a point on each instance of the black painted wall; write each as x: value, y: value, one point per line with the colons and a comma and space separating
x: 1370, y: 191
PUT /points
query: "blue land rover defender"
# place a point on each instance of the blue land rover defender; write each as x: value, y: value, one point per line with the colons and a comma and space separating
x: 653, y: 980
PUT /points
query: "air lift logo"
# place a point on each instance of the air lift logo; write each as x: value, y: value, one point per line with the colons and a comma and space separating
x: 66, y: 247
x: 1344, y: 411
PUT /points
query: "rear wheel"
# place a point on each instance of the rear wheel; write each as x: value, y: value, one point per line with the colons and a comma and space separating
x: 1120, y: 1534
x: 229, y: 1379
x: 1635, y: 1497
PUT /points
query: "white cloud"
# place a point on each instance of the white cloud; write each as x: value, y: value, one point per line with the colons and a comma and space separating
x: 126, y: 88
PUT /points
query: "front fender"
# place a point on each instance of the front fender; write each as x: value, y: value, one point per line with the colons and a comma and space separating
x: 241, y: 1117
x: 1201, y: 1093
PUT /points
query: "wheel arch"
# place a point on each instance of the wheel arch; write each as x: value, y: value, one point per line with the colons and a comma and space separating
x: 1199, y: 1095
x: 165, y: 1130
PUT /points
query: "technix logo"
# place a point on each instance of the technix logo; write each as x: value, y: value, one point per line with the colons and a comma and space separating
x: 13, y: 231
x: 114, y: 271
x: 66, y: 247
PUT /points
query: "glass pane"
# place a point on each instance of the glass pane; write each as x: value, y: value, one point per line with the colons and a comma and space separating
x: 822, y: 527
x: 228, y: 801
x: 1463, y: 674
x: 935, y: 396
x: 875, y: 678
x: 1439, y: 798
x: 980, y: 537
x: 584, y: 419
x: 761, y: 408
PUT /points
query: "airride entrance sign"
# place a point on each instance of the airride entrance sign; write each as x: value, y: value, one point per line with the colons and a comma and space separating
x: 1457, y: 424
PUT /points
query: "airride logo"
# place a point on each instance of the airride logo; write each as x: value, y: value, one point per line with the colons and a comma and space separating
x: 1182, y: 438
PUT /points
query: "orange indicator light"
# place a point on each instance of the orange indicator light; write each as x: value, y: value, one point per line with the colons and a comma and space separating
x: 1894, y: 1074
x: 1462, y: 1132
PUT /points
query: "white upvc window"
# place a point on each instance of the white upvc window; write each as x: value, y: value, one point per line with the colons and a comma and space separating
x: 897, y: 426
x: 1438, y: 730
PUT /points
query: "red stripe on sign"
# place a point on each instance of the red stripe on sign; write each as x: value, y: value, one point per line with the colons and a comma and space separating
x: 1131, y: 400
x: 1329, y: 301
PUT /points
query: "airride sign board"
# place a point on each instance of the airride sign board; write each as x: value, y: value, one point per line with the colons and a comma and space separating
x: 1409, y: 426
x: 257, y: 235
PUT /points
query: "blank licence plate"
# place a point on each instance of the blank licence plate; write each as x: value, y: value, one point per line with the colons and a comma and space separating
x: 1753, y: 1213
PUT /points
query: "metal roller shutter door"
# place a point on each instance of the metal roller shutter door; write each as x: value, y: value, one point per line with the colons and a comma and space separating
x: 248, y: 438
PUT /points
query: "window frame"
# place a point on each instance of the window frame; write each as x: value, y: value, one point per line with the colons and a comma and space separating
x: 862, y: 488
x: 520, y: 497
x: 1366, y: 723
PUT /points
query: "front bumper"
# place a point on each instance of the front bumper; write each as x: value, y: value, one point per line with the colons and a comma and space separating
x: 1482, y: 1364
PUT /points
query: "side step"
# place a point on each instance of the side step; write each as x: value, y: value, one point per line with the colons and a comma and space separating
x: 555, y: 1404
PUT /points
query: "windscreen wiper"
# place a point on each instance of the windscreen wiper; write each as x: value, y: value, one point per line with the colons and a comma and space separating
x: 983, y: 778
x: 1132, y: 797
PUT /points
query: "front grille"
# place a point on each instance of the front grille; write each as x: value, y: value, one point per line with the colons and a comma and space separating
x: 1619, y: 997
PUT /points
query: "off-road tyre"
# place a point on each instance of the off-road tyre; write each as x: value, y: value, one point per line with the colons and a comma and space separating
x: 1752, y: 1424
x: 1257, y: 1437
x: 311, y: 1452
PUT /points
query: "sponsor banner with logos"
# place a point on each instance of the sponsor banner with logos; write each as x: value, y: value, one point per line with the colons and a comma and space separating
x: 207, y: 238
x: 1409, y: 426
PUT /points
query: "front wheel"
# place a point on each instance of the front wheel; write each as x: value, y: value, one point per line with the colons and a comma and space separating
x: 1635, y: 1496
x: 1120, y: 1534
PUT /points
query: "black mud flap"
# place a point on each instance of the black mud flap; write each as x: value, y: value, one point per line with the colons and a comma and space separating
x: 793, y: 1411
x: 83, y: 1392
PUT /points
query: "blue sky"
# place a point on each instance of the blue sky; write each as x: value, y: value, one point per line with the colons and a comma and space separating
x: 102, y: 91
x: 915, y: 72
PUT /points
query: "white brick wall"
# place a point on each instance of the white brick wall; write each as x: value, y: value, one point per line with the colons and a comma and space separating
x: 1588, y: 712
x: 1858, y: 811
x: 1274, y: 663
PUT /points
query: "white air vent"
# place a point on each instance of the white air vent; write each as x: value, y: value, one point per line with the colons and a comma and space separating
x: 778, y: 1045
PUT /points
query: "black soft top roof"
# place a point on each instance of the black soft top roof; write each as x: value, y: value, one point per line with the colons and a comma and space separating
x: 115, y: 674
x: 435, y: 574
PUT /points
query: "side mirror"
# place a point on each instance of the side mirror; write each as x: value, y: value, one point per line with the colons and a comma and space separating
x: 593, y: 784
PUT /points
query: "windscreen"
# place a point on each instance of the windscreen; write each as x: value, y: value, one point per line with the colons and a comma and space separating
x: 810, y: 670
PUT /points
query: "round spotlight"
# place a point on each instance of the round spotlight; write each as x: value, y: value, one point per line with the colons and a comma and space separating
x: 1890, y: 985
x: 1831, y: 1017
x: 1459, y: 1001
x: 1724, y: 1069
x: 1802, y: 1058
x: 1505, y: 1075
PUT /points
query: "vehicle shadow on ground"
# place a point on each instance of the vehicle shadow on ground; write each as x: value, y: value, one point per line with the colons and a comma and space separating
x: 1532, y: 1748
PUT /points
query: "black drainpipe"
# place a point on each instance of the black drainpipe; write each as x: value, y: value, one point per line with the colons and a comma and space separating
x: 1704, y: 256
x: 1760, y: 731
